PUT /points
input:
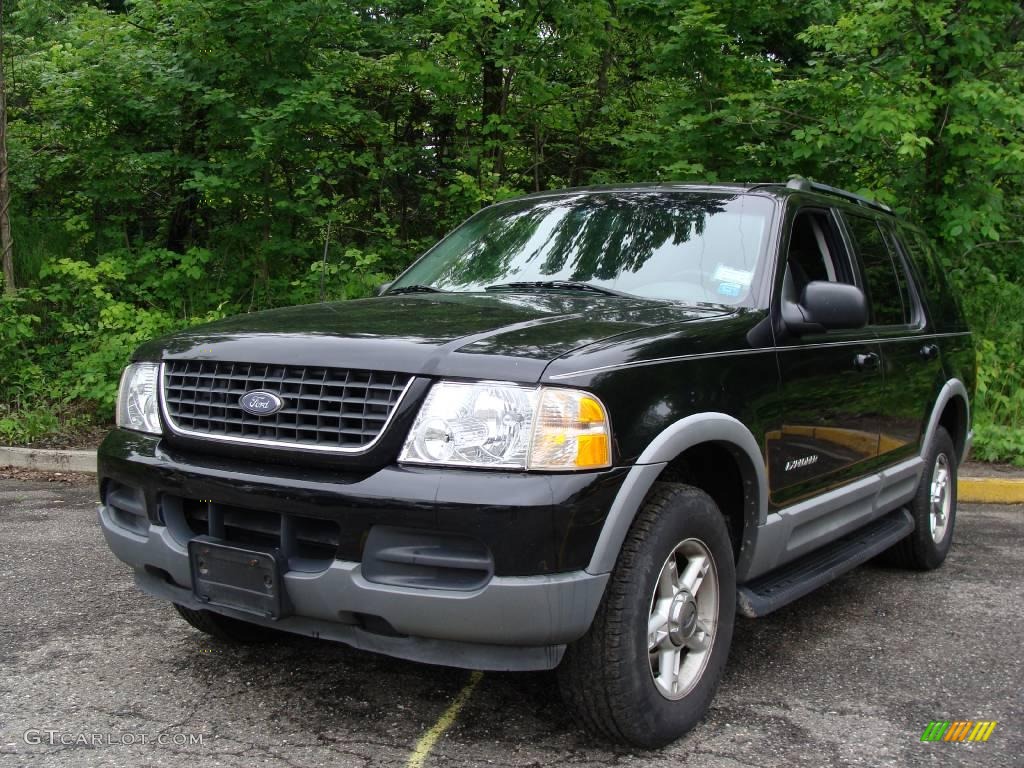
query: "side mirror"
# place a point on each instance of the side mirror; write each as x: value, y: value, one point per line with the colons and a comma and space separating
x: 826, y: 306
x: 379, y: 290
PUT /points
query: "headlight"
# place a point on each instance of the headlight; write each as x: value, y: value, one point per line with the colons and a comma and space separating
x: 504, y: 426
x: 137, y: 406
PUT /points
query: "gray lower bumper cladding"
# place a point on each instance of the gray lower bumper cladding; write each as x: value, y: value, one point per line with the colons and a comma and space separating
x: 509, y: 624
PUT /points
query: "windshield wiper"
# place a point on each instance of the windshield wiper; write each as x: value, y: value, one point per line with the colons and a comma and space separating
x: 558, y: 285
x: 412, y: 289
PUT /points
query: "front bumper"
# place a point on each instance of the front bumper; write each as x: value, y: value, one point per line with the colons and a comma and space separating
x: 507, y: 621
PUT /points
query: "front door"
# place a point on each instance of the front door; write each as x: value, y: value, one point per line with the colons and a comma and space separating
x: 832, y: 386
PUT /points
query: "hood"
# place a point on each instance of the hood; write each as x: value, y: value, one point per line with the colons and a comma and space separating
x: 507, y: 336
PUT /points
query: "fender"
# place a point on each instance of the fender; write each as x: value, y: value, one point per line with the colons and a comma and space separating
x: 962, y: 443
x: 673, y: 440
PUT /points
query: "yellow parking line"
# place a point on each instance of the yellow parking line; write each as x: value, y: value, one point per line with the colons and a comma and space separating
x: 429, y: 739
x: 990, y: 490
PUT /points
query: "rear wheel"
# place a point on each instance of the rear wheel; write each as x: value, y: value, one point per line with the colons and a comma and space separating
x: 226, y: 628
x: 647, y: 669
x: 933, y: 509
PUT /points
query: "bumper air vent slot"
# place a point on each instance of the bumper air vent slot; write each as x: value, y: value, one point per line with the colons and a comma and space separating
x: 127, y: 506
x: 425, y: 559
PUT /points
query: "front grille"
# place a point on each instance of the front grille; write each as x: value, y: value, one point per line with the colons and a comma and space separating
x: 333, y: 409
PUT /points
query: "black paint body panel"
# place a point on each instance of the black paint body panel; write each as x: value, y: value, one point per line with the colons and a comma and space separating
x: 530, y: 523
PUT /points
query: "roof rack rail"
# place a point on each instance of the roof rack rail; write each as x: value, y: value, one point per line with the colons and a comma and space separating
x: 803, y: 185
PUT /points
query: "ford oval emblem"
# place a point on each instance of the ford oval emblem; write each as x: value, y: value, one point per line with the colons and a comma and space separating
x: 259, y: 402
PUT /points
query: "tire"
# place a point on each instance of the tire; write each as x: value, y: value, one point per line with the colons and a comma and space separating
x: 607, y: 677
x: 924, y: 549
x: 226, y: 628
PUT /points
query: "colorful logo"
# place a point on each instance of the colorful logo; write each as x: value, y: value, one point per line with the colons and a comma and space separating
x: 958, y: 730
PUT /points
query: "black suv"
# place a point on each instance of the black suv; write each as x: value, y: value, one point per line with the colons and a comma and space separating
x: 584, y: 430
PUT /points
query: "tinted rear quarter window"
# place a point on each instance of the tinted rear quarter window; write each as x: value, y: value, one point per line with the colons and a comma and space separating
x: 938, y: 294
x: 889, y: 300
x: 907, y: 290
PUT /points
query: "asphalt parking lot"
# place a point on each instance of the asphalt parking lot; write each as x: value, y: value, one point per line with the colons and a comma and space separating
x: 92, y: 673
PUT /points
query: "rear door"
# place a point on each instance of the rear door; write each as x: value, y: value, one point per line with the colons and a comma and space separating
x: 910, y: 355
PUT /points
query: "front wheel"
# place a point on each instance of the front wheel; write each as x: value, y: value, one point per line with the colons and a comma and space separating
x: 647, y: 669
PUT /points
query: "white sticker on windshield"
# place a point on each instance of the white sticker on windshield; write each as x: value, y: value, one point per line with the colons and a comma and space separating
x: 724, y: 274
x: 730, y: 289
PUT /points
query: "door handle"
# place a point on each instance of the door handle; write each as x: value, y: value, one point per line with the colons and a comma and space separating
x: 929, y: 351
x: 866, y: 361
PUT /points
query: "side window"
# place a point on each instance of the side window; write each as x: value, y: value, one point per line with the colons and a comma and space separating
x: 938, y: 295
x: 888, y: 300
x: 815, y: 253
x: 907, y: 291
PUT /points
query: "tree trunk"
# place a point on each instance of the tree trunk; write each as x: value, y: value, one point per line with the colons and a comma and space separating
x: 493, y: 104
x: 598, y: 100
x: 493, y: 81
x: 6, y: 244
x: 183, y: 222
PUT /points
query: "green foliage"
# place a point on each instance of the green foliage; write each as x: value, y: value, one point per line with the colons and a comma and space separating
x: 22, y: 375
x: 177, y: 160
x: 997, y: 316
x: 999, y: 443
x: 354, y: 275
x: 26, y: 425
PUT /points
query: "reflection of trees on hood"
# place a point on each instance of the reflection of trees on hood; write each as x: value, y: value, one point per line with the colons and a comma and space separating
x: 593, y: 237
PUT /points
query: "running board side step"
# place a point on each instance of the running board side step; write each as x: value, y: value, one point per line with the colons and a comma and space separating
x: 794, y: 580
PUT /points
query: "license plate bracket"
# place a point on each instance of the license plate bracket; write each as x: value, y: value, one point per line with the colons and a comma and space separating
x: 242, y: 578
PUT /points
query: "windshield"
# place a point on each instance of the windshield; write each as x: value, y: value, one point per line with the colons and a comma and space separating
x: 683, y: 246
